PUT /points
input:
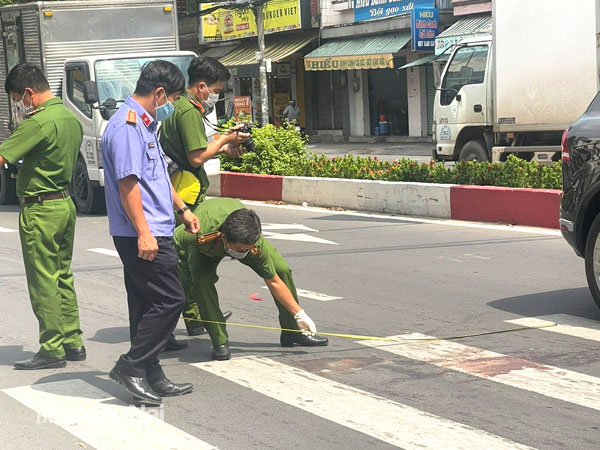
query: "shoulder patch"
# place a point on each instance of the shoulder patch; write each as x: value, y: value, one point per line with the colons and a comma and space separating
x: 197, y: 105
x: 34, y: 112
x: 131, y: 117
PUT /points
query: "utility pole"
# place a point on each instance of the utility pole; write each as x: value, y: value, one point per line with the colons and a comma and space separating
x: 262, y: 66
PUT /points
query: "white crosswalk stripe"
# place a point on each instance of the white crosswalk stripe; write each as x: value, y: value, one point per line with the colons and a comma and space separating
x: 104, y: 251
x: 102, y: 421
x: 568, y: 325
x: 314, y: 295
x: 7, y: 230
x: 554, y: 382
x: 376, y: 416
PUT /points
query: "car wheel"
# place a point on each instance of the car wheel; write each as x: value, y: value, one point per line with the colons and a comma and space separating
x: 592, y: 259
x: 8, y: 187
x: 473, y: 151
x: 88, y: 199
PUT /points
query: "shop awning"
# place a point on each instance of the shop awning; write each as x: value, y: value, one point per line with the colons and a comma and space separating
x: 466, y: 27
x: 366, y: 52
x: 218, y: 52
x: 426, y: 60
x: 275, y: 49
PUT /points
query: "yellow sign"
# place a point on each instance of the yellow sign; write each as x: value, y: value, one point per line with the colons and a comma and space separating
x: 385, y: 61
x: 225, y: 24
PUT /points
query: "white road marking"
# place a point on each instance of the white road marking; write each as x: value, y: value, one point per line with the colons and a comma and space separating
x: 287, y: 226
x: 104, y: 251
x: 7, y: 230
x: 314, y: 295
x: 102, y: 421
x: 383, y: 419
x: 554, y: 382
x: 569, y: 325
x: 301, y: 237
x: 447, y: 222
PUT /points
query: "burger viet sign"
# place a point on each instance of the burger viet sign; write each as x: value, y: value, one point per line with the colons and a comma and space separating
x: 224, y: 24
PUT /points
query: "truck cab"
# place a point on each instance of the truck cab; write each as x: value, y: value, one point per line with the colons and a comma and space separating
x: 462, y: 103
x: 93, y: 88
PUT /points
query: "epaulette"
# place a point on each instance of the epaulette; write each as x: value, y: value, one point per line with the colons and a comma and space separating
x: 193, y: 101
x: 34, y: 112
x: 131, y: 117
x: 209, y: 237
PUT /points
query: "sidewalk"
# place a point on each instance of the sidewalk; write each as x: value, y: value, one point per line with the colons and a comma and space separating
x: 387, y: 151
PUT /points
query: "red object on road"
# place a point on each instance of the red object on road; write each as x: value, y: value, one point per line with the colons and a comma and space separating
x: 255, y: 297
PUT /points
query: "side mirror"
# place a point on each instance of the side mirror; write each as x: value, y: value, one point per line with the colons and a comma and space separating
x: 108, y: 108
x: 90, y: 92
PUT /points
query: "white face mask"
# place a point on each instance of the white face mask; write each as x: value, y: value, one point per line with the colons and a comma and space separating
x: 237, y: 255
x: 21, y: 105
x: 212, y: 99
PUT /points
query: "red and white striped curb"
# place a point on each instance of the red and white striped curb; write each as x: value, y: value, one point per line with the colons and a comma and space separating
x: 529, y: 207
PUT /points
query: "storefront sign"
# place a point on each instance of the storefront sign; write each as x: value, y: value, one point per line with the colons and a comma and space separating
x: 385, y: 61
x: 242, y: 108
x: 380, y: 9
x: 424, y: 28
x: 280, y: 102
x: 225, y: 24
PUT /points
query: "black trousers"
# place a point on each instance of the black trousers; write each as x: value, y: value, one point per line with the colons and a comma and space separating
x: 155, y: 298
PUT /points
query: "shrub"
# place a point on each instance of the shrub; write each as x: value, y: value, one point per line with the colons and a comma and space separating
x: 282, y: 151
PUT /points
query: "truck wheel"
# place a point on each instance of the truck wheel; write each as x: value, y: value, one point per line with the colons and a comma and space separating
x: 88, y: 199
x: 592, y: 259
x: 8, y: 187
x: 473, y: 151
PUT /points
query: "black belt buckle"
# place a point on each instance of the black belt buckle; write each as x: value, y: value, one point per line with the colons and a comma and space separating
x: 28, y: 200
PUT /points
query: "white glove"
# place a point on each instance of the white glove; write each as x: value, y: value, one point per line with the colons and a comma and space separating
x: 305, y: 323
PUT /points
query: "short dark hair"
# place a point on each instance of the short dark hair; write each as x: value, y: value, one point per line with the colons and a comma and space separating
x: 207, y: 69
x: 157, y: 74
x: 23, y: 76
x: 242, y: 226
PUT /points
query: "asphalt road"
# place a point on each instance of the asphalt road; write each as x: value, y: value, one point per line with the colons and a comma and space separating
x: 534, y: 388
x: 418, y: 151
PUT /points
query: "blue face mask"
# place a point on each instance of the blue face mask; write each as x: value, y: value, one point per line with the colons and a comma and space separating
x: 165, y: 111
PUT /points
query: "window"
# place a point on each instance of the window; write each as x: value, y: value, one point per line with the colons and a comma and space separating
x: 466, y: 67
x: 76, y: 75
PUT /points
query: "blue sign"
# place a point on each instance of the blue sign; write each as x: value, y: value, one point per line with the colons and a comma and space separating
x: 381, y: 9
x: 424, y: 28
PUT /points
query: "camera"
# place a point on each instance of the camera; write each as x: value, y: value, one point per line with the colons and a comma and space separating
x: 247, y: 128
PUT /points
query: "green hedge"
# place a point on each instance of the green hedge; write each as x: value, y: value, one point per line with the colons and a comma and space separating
x: 282, y: 151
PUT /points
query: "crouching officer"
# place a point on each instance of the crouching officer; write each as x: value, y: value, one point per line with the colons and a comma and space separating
x: 227, y: 228
x: 48, y: 142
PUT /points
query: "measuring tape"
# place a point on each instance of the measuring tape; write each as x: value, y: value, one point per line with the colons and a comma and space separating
x: 376, y: 338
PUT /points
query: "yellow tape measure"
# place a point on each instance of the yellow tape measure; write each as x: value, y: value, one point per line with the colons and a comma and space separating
x: 376, y: 338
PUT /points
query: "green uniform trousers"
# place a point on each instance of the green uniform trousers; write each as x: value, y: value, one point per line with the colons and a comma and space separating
x: 47, y: 230
x: 198, y: 274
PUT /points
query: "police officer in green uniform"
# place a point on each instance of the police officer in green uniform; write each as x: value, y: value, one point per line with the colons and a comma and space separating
x: 184, y: 140
x: 227, y: 228
x: 48, y: 142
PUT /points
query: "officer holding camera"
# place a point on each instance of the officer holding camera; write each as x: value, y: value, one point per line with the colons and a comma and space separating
x: 183, y: 138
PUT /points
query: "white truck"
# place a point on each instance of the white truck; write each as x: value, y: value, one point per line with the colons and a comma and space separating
x: 519, y: 89
x: 92, y: 53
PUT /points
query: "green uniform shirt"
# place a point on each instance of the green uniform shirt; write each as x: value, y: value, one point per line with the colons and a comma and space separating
x: 48, y: 142
x: 212, y: 213
x: 182, y: 133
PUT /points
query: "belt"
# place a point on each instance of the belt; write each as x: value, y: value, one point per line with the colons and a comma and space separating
x: 42, y: 197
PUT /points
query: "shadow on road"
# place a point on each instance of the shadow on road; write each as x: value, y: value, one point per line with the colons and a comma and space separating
x: 114, y: 335
x: 574, y: 302
x: 11, y: 353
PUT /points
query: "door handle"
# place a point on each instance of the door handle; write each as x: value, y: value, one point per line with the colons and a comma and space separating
x: 477, y: 108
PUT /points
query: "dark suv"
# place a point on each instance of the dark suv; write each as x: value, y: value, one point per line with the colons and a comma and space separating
x: 580, y: 205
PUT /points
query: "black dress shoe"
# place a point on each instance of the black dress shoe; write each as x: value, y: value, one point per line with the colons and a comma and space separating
x: 137, y: 386
x: 221, y: 352
x: 288, y: 339
x: 174, y: 345
x: 38, y: 361
x: 166, y: 388
x: 75, y: 354
x: 197, y: 329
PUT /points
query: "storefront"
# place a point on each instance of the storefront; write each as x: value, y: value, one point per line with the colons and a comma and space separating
x: 289, y: 34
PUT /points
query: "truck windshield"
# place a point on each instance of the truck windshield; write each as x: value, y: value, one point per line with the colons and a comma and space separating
x: 116, y: 78
x: 466, y: 67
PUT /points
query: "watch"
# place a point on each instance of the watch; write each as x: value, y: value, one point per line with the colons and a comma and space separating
x: 182, y: 210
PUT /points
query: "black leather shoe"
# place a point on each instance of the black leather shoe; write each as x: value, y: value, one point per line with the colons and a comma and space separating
x: 38, y: 361
x: 197, y: 329
x: 221, y: 352
x: 136, y: 386
x: 174, y: 345
x: 288, y: 339
x: 75, y: 354
x: 166, y: 388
